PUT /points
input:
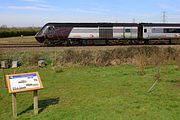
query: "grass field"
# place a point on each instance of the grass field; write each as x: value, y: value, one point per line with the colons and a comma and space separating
x: 18, y: 40
x: 98, y: 93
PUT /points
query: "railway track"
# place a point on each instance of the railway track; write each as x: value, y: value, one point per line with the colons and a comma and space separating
x: 20, y: 45
x: 64, y: 47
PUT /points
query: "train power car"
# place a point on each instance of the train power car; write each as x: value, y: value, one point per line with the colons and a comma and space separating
x: 105, y: 33
x: 86, y: 33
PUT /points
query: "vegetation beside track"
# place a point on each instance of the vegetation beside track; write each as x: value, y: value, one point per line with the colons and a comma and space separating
x: 141, y: 56
x: 14, y: 32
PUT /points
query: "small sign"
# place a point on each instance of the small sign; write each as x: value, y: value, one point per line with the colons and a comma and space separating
x: 23, y: 82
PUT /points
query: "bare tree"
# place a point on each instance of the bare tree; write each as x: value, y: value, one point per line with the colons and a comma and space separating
x: 3, y: 26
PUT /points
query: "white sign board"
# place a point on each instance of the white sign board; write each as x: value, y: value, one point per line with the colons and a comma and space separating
x: 23, y: 82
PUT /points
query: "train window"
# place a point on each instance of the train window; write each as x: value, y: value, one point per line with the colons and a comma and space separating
x: 145, y: 30
x: 171, y: 30
x: 127, y: 30
x: 44, y: 30
x: 50, y: 28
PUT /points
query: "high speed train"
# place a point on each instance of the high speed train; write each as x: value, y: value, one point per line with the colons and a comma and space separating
x: 107, y: 33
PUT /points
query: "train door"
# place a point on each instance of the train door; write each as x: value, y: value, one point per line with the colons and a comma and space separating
x: 146, y: 32
x: 105, y: 32
x: 127, y: 32
x: 140, y: 32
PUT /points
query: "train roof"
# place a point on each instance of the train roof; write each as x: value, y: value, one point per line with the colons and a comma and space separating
x: 93, y: 24
x: 113, y: 24
x: 161, y: 24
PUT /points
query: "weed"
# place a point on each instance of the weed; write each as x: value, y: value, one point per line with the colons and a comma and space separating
x: 59, y: 70
x: 141, y: 63
x: 34, y: 57
x: 142, y: 57
x: 177, y: 60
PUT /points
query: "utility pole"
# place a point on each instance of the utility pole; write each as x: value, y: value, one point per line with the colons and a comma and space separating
x: 134, y: 20
x: 164, y: 17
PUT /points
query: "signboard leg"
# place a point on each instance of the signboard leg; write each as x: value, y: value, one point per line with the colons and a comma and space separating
x: 35, y: 96
x: 14, y: 105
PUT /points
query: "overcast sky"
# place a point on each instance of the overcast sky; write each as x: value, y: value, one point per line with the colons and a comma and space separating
x: 38, y: 12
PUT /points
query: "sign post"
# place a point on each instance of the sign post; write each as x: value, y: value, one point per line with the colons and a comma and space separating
x: 22, y: 83
x: 14, y: 105
x: 35, y: 95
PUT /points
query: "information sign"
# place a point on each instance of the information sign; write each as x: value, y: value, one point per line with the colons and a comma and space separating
x: 23, y: 82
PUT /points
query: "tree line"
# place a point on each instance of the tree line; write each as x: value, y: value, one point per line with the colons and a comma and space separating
x: 14, y: 32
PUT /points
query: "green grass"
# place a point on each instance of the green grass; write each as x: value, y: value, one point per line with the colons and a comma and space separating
x: 99, y: 93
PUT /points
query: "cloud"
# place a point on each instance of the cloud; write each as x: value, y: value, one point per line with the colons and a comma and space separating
x: 33, y: 1
x: 37, y: 7
x: 87, y: 11
x: 101, y: 9
x: 92, y: 10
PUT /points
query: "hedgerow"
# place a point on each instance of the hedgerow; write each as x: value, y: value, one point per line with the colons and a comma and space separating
x: 14, y: 32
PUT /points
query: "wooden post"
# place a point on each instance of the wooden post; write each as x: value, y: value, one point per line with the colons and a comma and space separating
x: 35, y: 96
x: 14, y: 105
x: 4, y: 76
